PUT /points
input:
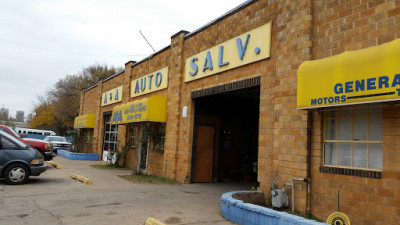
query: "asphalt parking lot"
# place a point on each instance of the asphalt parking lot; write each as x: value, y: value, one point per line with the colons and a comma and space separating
x: 54, y: 198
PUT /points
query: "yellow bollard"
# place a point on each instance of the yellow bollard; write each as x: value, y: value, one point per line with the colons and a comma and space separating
x: 152, y: 221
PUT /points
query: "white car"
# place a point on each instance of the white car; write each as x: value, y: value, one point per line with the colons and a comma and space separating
x: 59, y: 142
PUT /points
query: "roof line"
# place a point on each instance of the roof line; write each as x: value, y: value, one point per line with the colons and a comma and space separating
x: 112, y: 76
x: 151, y: 56
x: 91, y: 87
x: 227, y: 14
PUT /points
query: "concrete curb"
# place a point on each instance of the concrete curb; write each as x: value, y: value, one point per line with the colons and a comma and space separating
x: 248, y: 214
x: 54, y: 164
x: 78, y: 156
x: 81, y: 179
x: 152, y: 221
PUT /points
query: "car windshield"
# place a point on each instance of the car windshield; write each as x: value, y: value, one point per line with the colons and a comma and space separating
x: 57, y: 139
x: 20, y: 143
x: 12, y: 131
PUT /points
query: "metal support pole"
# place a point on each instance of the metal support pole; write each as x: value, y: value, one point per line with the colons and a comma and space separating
x: 293, y: 185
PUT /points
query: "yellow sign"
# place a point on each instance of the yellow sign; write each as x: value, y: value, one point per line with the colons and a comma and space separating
x: 362, y: 76
x: 338, y: 218
x: 85, y: 121
x: 244, y: 49
x: 148, y: 109
x: 150, y: 83
x: 112, y: 96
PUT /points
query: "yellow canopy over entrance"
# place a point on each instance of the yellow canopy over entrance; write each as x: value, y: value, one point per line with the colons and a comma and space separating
x: 361, y: 76
x: 85, y: 121
x: 148, y: 109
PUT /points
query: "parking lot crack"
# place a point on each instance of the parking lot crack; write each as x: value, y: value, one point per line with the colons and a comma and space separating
x: 57, y: 217
x: 107, y: 204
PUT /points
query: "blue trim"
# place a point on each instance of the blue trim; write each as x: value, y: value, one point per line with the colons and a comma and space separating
x: 248, y: 214
x: 36, y: 136
x: 78, y: 156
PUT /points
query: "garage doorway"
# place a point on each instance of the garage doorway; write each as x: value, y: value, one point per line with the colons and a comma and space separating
x: 225, y: 146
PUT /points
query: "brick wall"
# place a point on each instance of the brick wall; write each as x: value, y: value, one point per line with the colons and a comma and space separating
x: 340, y: 26
x: 156, y: 164
x: 282, y: 136
x: 364, y: 200
x: 290, y: 125
x: 350, y: 25
x: 301, y: 30
x: 244, y: 20
x: 90, y: 104
x: 282, y: 132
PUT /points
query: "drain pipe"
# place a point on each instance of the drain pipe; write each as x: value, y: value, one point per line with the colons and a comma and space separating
x: 309, y: 146
x: 292, y: 184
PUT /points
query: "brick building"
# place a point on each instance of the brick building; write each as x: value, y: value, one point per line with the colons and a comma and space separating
x: 271, y: 91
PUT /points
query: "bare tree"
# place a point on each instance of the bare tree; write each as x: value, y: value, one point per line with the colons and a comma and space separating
x: 64, y: 98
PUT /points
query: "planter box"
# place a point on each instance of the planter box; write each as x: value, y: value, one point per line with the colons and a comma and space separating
x: 78, y: 156
x: 248, y: 214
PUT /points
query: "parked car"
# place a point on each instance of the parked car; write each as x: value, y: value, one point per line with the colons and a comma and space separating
x: 18, y: 160
x: 42, y: 146
x: 59, y: 142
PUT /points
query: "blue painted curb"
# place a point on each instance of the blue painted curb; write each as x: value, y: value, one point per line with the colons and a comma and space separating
x: 248, y: 214
x: 78, y: 156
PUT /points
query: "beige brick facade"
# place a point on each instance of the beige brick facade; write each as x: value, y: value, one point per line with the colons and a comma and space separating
x: 301, y: 30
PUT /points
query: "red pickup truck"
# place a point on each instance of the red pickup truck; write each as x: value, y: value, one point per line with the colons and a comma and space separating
x: 42, y: 146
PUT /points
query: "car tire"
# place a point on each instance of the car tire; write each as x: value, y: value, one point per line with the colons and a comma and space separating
x: 16, y: 173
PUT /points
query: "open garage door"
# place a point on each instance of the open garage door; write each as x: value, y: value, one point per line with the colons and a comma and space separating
x: 226, y: 136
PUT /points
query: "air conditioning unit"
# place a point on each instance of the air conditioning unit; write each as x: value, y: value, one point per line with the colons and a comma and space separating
x: 279, y: 198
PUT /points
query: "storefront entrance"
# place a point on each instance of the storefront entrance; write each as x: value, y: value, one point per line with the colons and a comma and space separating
x: 225, y: 144
x: 110, y: 137
x: 144, y: 148
x: 204, y: 154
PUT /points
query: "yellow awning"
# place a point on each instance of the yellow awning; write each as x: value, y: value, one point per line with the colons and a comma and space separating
x: 148, y: 109
x: 85, y: 121
x: 361, y: 76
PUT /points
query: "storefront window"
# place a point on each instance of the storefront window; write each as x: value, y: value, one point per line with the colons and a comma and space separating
x: 353, y: 138
x: 160, y: 139
x: 89, y: 136
x: 110, y: 137
x: 133, y: 135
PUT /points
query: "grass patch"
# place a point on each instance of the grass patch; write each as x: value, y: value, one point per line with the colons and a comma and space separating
x: 143, y: 178
x: 310, y: 217
x: 109, y: 167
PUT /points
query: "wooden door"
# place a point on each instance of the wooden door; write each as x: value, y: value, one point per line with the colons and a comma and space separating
x: 203, y: 158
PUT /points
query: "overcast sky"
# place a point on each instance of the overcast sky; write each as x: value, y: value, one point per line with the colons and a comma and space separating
x: 41, y: 41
